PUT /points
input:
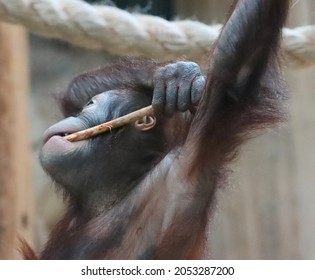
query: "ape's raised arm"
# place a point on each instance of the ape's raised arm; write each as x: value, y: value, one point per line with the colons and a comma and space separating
x: 243, y: 86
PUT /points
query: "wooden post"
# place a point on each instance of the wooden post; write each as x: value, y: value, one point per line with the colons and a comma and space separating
x: 15, y: 190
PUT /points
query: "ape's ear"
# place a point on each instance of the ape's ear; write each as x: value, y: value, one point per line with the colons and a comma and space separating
x: 145, y: 123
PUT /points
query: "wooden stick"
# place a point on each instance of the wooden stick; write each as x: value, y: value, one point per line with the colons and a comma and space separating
x: 101, y: 128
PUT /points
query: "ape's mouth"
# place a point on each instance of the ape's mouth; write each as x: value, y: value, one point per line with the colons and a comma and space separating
x: 49, y: 134
x: 54, y: 137
x: 63, y: 128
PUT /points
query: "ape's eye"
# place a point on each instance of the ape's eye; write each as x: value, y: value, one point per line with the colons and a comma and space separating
x: 90, y: 103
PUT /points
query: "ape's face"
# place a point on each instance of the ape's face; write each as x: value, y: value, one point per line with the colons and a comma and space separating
x: 90, y: 163
x: 109, y: 165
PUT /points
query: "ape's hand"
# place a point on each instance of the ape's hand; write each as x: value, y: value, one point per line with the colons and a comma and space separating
x: 177, y: 87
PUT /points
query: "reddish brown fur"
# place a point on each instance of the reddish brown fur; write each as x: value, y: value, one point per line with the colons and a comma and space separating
x: 165, y: 214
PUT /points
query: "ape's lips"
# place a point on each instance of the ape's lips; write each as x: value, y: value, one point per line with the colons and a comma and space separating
x: 63, y: 128
x: 53, y: 138
x: 49, y: 133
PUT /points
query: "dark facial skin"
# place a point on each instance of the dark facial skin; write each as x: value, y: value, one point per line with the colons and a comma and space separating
x: 97, y: 164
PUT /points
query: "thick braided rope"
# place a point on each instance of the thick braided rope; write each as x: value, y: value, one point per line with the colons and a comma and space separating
x: 122, y: 33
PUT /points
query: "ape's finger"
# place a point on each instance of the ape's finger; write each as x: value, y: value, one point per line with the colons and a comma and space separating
x: 171, y: 98
x: 184, y: 96
x: 159, y: 99
x: 197, y: 88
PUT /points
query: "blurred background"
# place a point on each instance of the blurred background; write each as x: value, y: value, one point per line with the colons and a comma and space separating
x: 266, y: 212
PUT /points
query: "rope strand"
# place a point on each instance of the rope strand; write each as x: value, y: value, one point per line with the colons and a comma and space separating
x: 122, y: 33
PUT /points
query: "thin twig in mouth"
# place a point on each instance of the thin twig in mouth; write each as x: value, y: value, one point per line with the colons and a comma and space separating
x: 101, y: 128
